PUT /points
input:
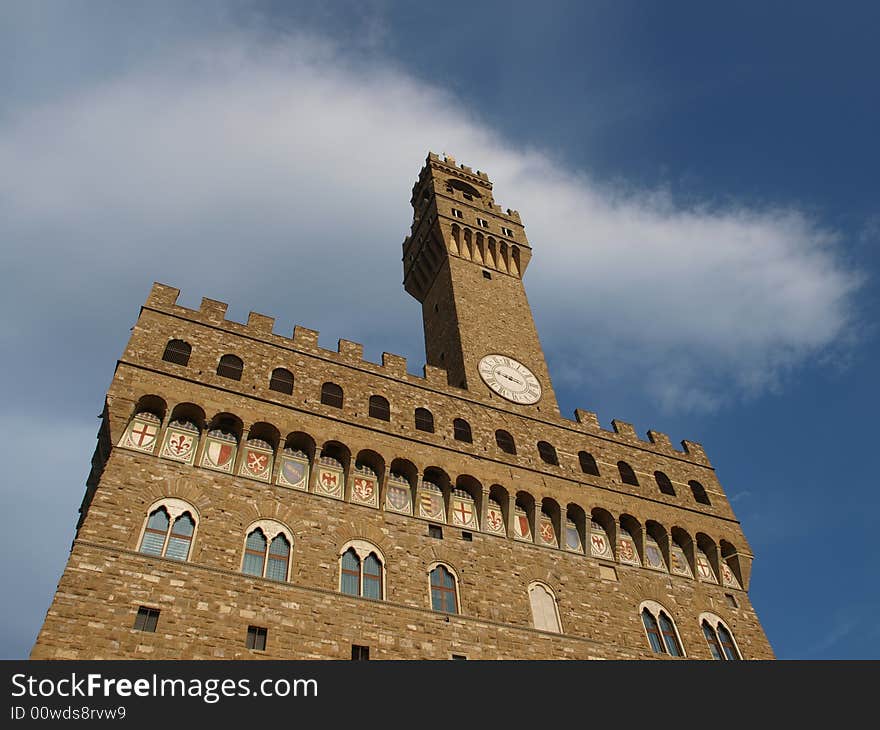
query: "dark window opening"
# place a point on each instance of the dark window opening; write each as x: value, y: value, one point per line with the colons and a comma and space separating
x: 424, y: 420
x: 435, y: 531
x: 331, y: 395
x: 699, y: 493
x: 588, y: 463
x: 487, y: 275
x: 461, y: 430
x: 664, y: 483
x: 505, y: 442
x: 178, y: 352
x: 147, y: 619
x: 467, y: 536
x: 627, y: 475
x: 256, y: 638
x: 230, y: 367
x: 379, y: 408
x: 548, y: 453
x: 360, y: 653
x: 282, y: 381
x: 459, y: 657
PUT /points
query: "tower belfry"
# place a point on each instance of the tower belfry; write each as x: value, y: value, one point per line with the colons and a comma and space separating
x: 464, y: 261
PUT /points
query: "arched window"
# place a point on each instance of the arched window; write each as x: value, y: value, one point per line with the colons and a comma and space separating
x: 361, y: 571
x: 379, y: 408
x: 505, y: 442
x: 331, y: 395
x: 153, y: 541
x: 180, y: 539
x: 660, y: 630
x: 545, y: 614
x: 282, y: 381
x: 664, y: 483
x: 718, y: 637
x: 177, y: 351
x: 699, y: 493
x: 461, y: 430
x: 169, y: 530
x: 350, y: 581
x: 267, y: 551
x: 424, y: 420
x: 279, y: 557
x: 588, y: 463
x: 547, y: 453
x: 255, y: 553
x: 443, y: 594
x: 627, y: 475
x: 230, y: 367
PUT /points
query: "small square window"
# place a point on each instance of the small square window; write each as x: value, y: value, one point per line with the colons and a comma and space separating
x: 457, y: 213
x: 467, y: 536
x: 459, y: 657
x: 731, y: 600
x: 435, y: 531
x: 360, y: 653
x: 507, y: 232
x: 482, y: 222
x: 486, y: 274
x: 256, y: 638
x: 146, y: 619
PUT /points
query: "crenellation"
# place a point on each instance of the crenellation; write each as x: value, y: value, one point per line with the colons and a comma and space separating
x: 696, y: 452
x: 587, y: 419
x: 305, y: 338
x: 661, y: 441
x: 162, y: 296
x: 260, y: 323
x: 395, y: 365
x: 213, y: 310
x: 350, y: 351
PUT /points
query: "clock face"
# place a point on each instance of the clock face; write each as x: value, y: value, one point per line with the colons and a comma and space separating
x: 510, y: 379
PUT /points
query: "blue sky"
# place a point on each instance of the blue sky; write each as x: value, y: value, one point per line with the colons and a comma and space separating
x: 698, y: 182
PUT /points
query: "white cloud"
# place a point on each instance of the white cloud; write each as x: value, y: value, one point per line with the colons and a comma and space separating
x: 256, y: 174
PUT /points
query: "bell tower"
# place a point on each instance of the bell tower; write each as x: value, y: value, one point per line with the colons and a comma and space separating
x: 464, y: 261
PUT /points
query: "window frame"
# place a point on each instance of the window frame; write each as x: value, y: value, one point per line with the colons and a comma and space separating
x: 274, y: 379
x: 362, y: 550
x: 325, y: 395
x: 169, y: 350
x: 435, y: 566
x: 224, y: 363
x: 379, y: 408
x: 535, y: 584
x: 657, y: 611
x: 270, y: 529
x: 714, y: 621
x: 175, y: 509
x: 457, y: 430
x: 419, y: 412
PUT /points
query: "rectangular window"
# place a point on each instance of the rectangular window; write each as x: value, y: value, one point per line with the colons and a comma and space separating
x: 460, y: 657
x: 457, y: 213
x: 360, y: 653
x: 435, y: 531
x: 467, y: 536
x: 482, y: 222
x: 731, y: 601
x: 256, y: 638
x: 507, y: 232
x: 146, y: 619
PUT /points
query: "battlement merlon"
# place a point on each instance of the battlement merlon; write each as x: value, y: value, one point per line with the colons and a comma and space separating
x: 211, y: 312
